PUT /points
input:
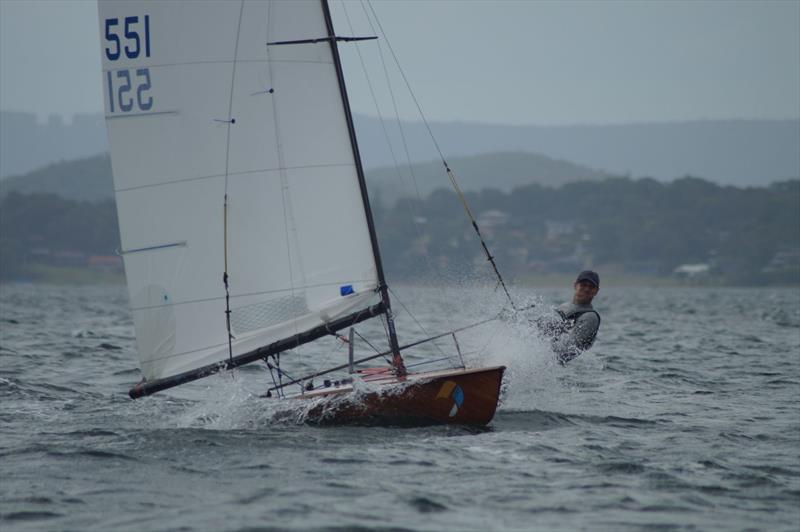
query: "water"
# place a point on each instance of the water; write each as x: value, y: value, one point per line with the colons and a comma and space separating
x: 685, y: 415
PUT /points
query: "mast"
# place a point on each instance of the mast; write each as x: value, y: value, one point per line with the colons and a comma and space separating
x: 397, y: 360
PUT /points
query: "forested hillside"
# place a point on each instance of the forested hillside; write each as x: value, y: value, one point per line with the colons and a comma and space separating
x: 619, y: 225
x: 82, y: 179
x: 90, y: 178
x: 641, y: 226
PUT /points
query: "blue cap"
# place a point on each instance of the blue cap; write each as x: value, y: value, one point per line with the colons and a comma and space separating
x: 590, y: 276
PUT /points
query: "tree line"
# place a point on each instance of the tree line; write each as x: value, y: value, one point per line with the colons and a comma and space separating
x: 635, y: 226
x: 639, y: 226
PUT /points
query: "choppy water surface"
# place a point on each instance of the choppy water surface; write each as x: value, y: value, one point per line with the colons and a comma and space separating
x: 686, y: 415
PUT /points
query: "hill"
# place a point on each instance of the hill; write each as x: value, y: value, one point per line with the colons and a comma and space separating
x: 618, y: 226
x: 733, y: 152
x: 86, y: 179
x: 90, y: 179
x: 502, y: 171
x: 26, y: 144
x: 728, y: 152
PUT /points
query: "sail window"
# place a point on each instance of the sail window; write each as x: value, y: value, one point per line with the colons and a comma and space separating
x: 262, y: 315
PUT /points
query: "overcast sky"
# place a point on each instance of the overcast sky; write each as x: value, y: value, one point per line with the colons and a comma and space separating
x: 523, y: 62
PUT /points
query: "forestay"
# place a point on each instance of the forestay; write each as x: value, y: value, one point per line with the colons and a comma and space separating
x: 199, y: 107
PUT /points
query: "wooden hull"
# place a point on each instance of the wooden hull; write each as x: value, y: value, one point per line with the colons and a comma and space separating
x: 454, y: 396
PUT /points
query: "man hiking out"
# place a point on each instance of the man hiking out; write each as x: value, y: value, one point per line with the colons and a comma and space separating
x: 577, y: 327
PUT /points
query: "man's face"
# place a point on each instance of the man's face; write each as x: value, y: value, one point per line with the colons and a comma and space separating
x: 584, y: 293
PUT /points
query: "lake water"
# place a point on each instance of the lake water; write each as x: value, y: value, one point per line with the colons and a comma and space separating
x: 685, y: 415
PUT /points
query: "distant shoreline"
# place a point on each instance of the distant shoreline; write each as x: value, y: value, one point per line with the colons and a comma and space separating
x: 68, y: 275
x: 630, y: 280
x: 57, y: 275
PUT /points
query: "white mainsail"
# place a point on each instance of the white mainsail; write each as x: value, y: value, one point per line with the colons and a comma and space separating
x: 199, y: 108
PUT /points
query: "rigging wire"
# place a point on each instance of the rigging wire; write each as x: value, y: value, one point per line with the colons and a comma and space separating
x: 417, y: 322
x: 396, y: 166
x: 391, y: 149
x: 272, y: 374
x: 366, y: 341
x: 288, y: 216
x: 340, y: 341
x: 450, y: 173
x: 394, y: 104
x: 409, y: 205
x: 385, y: 353
x: 397, y: 359
x: 230, y: 122
x: 489, y: 341
x: 451, y: 176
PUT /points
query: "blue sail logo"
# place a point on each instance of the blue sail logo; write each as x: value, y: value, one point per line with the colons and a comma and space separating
x: 452, y: 390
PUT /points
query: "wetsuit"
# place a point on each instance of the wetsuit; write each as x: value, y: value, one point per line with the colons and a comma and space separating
x: 574, y: 333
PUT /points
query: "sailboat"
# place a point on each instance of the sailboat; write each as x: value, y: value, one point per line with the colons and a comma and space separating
x: 245, y: 223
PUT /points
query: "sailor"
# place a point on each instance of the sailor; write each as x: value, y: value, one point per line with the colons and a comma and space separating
x: 574, y: 328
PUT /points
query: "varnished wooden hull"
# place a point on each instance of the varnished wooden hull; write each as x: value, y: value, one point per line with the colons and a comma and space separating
x: 455, y: 396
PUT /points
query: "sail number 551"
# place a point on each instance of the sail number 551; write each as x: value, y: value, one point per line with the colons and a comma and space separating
x: 128, y: 90
x: 135, y: 35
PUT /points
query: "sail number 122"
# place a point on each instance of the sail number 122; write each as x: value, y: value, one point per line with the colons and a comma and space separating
x: 128, y: 89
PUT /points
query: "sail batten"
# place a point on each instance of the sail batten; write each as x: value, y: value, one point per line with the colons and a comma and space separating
x: 234, y: 174
x: 234, y: 145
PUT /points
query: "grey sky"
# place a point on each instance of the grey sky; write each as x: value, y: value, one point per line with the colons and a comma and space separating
x: 499, y: 62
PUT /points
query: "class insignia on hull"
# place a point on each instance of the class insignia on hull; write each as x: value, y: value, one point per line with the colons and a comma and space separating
x: 452, y: 390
